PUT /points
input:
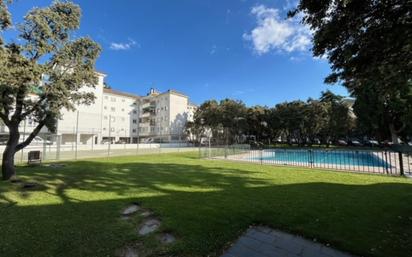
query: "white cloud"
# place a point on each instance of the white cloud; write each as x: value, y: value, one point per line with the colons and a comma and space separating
x: 123, y: 46
x: 275, y: 33
x: 213, y: 50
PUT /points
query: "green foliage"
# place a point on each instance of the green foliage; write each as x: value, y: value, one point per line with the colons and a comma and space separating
x: 226, y: 120
x: 47, y: 69
x: 369, y: 46
x: 326, y: 119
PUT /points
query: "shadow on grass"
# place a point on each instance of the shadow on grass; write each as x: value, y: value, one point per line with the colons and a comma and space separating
x: 206, y: 207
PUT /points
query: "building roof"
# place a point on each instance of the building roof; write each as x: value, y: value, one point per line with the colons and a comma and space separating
x: 116, y: 92
x: 171, y: 91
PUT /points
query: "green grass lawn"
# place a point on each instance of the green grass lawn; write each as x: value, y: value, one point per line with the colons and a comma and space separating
x: 206, y: 204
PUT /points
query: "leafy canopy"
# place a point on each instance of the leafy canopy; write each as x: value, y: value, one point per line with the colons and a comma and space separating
x: 46, y: 69
x: 368, y: 44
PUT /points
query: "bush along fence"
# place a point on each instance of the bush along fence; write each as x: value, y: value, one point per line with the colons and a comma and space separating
x: 395, y: 161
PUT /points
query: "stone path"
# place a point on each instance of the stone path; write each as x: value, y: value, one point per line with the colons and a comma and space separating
x: 265, y: 242
x: 149, y: 225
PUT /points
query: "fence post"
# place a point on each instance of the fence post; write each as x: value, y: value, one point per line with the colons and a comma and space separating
x: 261, y: 155
x: 58, y: 145
x: 77, y: 134
x: 44, y: 150
x: 401, y: 163
x: 310, y: 158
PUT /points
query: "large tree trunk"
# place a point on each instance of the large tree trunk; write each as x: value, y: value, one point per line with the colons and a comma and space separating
x: 8, y: 170
x: 394, y: 133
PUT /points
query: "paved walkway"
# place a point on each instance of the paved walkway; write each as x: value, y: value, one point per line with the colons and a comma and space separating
x: 266, y: 242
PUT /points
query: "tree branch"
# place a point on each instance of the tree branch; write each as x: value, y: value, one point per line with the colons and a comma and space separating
x: 32, y: 135
x: 19, y: 105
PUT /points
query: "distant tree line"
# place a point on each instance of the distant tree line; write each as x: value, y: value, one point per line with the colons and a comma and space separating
x: 322, y: 120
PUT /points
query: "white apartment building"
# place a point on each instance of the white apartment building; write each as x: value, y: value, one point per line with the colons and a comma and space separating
x: 123, y: 117
x: 163, y: 116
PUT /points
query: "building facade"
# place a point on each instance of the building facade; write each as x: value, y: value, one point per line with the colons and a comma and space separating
x: 120, y: 117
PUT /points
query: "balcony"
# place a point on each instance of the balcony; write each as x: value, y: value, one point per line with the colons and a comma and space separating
x: 148, y: 105
x: 147, y: 114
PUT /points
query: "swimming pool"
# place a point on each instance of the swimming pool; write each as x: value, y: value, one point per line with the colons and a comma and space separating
x: 324, y: 157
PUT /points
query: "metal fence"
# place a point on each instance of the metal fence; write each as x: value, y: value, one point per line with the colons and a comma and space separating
x: 52, y: 149
x: 88, y: 134
x: 380, y: 161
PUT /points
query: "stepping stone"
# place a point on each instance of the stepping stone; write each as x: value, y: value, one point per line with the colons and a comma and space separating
x: 146, y: 213
x: 127, y: 252
x: 149, y: 226
x: 131, y: 209
x: 166, y: 238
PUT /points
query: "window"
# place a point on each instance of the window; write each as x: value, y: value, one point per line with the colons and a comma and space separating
x: 113, y: 99
x: 106, y: 97
x: 134, y: 121
x: 113, y: 109
x: 113, y: 119
x: 112, y: 129
x: 134, y: 130
x: 105, y: 107
x: 123, y: 119
x: 134, y: 112
x: 122, y: 109
x: 105, y: 117
x: 123, y: 100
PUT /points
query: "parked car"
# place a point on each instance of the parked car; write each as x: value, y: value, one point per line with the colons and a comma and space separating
x: 316, y: 141
x: 105, y: 141
x: 355, y: 142
x: 39, y: 141
x: 387, y: 143
x: 372, y: 143
x: 342, y: 142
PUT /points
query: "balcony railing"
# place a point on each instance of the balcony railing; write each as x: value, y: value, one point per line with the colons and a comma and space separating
x: 148, y: 105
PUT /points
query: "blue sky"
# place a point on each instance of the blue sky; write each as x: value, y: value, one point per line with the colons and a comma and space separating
x: 207, y: 49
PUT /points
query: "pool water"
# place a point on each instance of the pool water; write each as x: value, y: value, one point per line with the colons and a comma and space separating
x: 354, y: 158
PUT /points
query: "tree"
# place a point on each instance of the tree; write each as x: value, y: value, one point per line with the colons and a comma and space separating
x: 233, y: 119
x: 42, y: 73
x: 368, y: 44
x: 315, y: 120
x: 257, y: 118
x: 339, y: 122
x: 225, y: 119
x: 291, y: 120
